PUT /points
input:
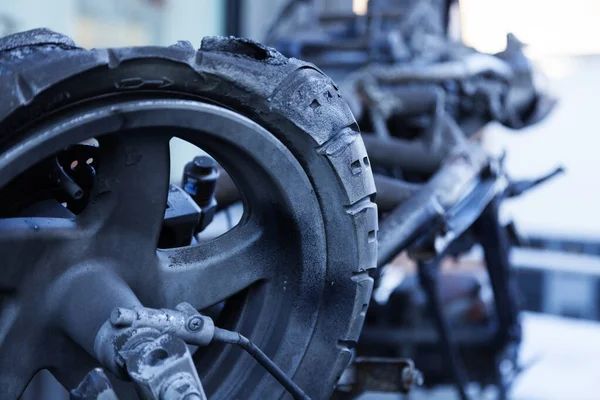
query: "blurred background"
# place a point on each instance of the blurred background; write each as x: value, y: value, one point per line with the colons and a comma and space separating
x: 561, y: 37
x: 561, y: 217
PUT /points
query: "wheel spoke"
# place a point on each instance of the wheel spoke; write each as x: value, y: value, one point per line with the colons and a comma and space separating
x: 130, y: 194
x: 210, y: 272
x: 24, y: 242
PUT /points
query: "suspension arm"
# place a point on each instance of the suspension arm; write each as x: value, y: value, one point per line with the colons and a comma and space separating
x: 449, y: 186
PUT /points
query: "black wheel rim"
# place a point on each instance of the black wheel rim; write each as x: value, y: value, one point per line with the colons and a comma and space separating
x: 276, y: 255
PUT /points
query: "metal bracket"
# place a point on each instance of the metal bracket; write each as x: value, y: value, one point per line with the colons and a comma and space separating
x: 149, y: 346
x: 162, y: 369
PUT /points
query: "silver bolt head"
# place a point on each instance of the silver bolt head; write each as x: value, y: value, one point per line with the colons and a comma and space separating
x: 195, y: 323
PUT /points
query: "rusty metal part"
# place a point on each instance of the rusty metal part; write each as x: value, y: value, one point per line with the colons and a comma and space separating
x: 420, y: 95
x: 381, y: 374
x: 161, y: 368
x: 157, y: 361
x: 138, y: 338
x: 452, y: 183
x: 467, y: 67
x: 457, y: 219
x: 136, y: 328
x: 184, y: 322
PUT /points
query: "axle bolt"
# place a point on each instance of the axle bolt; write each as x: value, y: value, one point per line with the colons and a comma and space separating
x: 195, y: 323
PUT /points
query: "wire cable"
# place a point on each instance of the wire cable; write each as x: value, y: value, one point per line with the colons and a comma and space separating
x: 225, y: 336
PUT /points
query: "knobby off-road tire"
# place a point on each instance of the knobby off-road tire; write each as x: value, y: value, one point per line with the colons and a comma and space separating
x: 44, y: 75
